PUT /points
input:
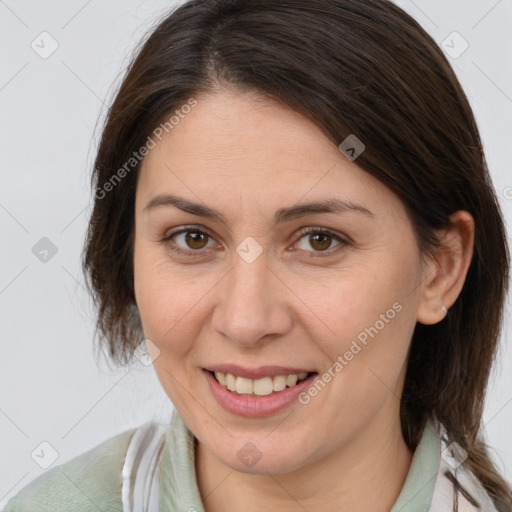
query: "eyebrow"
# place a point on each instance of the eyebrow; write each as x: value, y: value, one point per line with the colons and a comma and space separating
x: 332, y: 205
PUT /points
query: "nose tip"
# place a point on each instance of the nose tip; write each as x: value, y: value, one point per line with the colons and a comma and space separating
x: 250, y: 307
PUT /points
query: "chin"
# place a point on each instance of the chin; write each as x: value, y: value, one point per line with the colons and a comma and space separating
x: 260, y: 458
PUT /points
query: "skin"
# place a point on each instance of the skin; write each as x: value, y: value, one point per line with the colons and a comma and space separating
x: 247, y: 156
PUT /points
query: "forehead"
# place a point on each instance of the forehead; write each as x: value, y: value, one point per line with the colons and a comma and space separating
x: 243, y: 131
x: 244, y: 149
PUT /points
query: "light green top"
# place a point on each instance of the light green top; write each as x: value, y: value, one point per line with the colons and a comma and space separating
x: 92, y: 481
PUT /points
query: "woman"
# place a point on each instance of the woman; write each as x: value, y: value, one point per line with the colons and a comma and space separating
x: 293, y: 209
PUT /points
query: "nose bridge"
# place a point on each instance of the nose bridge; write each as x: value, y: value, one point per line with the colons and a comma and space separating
x: 250, y: 306
x: 250, y: 279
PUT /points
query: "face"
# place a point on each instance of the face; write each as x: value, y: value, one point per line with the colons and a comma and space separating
x: 250, y: 284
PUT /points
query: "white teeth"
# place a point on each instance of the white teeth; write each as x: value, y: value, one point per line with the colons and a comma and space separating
x: 263, y: 386
x: 243, y: 385
x: 291, y: 380
x: 260, y: 387
x: 279, y: 382
x: 230, y: 382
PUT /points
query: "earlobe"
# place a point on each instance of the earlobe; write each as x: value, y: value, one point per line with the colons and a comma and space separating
x: 446, y: 272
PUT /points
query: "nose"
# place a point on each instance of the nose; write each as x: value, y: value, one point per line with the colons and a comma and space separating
x: 252, y: 306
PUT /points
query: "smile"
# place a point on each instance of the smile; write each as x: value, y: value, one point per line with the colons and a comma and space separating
x: 258, y: 387
x: 257, y: 392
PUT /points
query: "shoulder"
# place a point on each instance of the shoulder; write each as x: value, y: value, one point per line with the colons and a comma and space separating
x: 90, y: 481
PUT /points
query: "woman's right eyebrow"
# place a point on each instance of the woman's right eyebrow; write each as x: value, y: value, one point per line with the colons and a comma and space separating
x: 185, y: 205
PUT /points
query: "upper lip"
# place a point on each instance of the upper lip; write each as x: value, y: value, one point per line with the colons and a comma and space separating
x: 256, y: 373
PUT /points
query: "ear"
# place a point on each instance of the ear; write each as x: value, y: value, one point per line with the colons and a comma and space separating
x: 446, y: 271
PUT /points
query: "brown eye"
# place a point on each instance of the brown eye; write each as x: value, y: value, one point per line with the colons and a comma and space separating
x: 188, y: 241
x: 320, y: 240
x: 196, y: 239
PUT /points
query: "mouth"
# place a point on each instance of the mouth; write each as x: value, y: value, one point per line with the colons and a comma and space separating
x: 257, y: 392
x: 263, y: 386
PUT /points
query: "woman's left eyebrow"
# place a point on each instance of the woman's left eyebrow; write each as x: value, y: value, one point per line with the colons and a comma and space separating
x: 332, y: 205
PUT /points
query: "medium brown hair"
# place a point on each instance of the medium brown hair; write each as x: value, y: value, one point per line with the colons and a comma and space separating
x: 360, y: 67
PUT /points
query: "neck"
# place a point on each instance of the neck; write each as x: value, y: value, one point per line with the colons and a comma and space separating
x: 367, y: 475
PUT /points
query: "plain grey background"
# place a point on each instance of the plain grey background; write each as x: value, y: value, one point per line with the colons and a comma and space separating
x: 60, y: 63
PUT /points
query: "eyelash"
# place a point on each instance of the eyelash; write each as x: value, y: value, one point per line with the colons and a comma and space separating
x: 303, y: 232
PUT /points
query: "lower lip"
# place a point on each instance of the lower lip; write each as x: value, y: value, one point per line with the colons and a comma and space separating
x: 256, y: 406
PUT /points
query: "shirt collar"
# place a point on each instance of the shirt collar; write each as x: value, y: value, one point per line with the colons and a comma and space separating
x: 418, y: 489
x: 178, y: 484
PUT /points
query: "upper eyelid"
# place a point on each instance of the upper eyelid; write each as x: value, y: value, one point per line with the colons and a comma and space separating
x: 183, y: 229
x: 304, y: 231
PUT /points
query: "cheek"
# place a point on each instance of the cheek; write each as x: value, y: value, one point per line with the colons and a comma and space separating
x: 167, y: 299
x: 354, y: 304
x: 367, y: 317
x: 171, y: 301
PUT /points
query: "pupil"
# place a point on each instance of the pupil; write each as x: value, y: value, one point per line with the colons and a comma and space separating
x: 325, y: 238
x: 195, y: 238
